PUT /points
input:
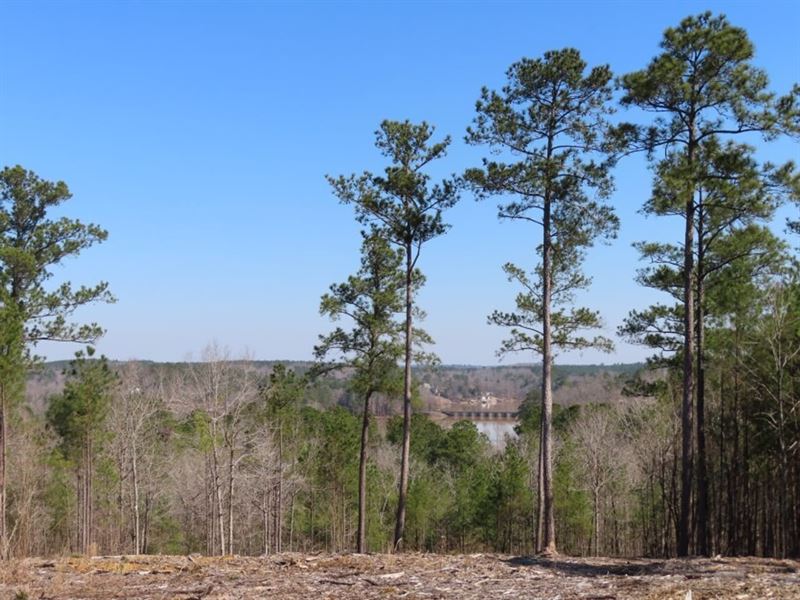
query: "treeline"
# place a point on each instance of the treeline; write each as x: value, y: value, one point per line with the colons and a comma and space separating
x: 222, y: 458
x: 702, y: 458
x: 571, y: 383
x: 219, y: 458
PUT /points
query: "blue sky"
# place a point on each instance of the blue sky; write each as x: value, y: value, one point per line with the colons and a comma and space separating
x: 199, y: 134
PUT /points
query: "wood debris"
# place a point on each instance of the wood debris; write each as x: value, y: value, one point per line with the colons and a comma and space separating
x: 359, y: 576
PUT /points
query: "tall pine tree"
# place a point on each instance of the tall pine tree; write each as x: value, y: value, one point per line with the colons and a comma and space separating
x: 550, y: 120
x: 702, y: 87
x: 408, y: 210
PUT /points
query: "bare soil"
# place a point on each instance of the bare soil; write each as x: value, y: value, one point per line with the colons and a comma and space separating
x: 292, y: 575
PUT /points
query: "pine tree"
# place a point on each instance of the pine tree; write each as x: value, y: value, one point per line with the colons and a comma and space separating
x: 408, y: 210
x: 12, y: 382
x: 702, y: 87
x: 370, y: 299
x: 551, y: 117
x: 31, y: 244
x: 78, y: 416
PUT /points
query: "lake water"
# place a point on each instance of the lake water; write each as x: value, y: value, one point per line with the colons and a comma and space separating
x: 497, y: 431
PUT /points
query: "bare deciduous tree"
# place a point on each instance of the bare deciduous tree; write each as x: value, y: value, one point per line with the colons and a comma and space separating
x: 215, y: 394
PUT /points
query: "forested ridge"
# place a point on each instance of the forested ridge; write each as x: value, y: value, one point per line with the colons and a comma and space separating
x: 696, y: 452
x: 454, y: 383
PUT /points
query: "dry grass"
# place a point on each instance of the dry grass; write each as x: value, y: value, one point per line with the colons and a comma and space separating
x: 476, y: 576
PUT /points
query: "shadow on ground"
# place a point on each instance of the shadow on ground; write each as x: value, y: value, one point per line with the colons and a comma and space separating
x: 582, y: 569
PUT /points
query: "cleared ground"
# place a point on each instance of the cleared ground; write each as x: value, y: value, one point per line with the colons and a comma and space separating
x: 396, y: 576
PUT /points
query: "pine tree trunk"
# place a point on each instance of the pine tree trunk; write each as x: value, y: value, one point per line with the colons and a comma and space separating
x: 735, y: 524
x: 722, y: 466
x: 702, y: 477
x: 4, y: 542
x: 78, y: 509
x: 783, y: 496
x: 85, y: 504
x: 749, y: 510
x: 549, y: 541
x: 89, y: 497
x: 279, y: 495
x: 403, y: 488
x: 540, y: 492
x: 362, y: 480
x: 688, y: 362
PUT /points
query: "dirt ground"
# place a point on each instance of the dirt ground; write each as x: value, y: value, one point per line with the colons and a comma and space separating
x: 396, y: 576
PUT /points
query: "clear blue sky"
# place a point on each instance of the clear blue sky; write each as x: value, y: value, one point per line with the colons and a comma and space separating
x: 199, y: 134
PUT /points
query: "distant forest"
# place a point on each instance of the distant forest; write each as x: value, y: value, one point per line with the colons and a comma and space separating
x: 573, y: 384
